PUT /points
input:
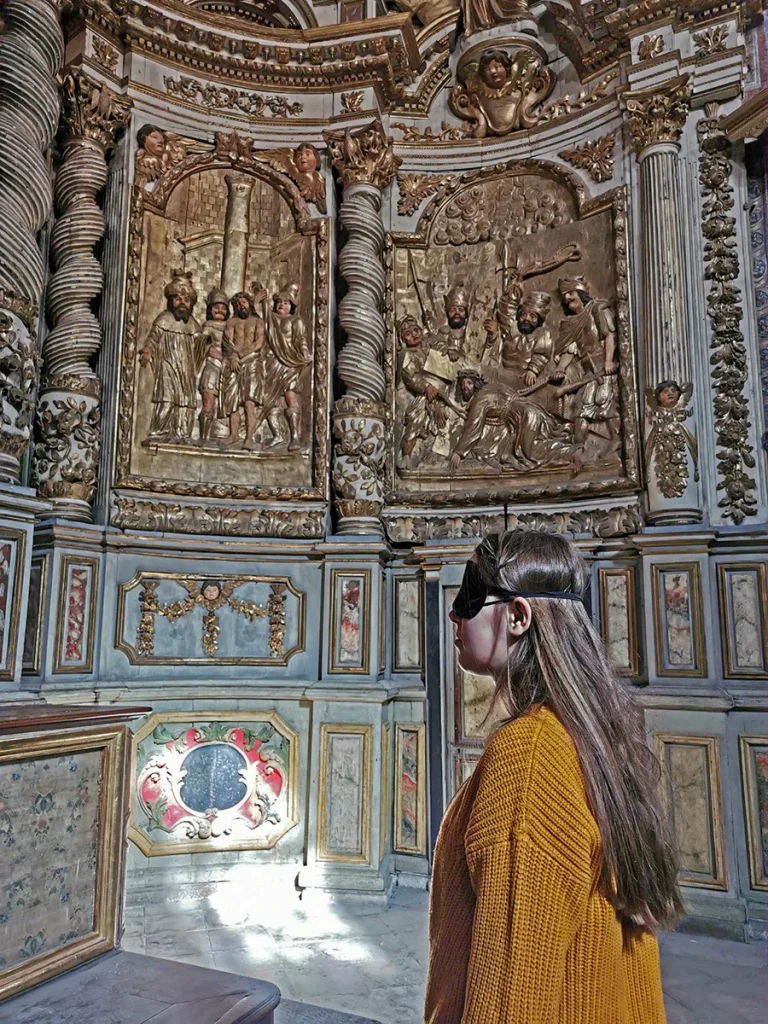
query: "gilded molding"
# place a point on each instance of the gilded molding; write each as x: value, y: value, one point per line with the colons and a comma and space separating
x: 223, y: 98
x: 447, y: 133
x: 658, y: 115
x: 730, y: 379
x: 216, y: 520
x: 414, y: 189
x: 594, y: 157
x: 564, y: 105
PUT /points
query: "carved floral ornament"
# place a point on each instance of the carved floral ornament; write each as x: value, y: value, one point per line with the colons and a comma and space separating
x: 594, y: 157
x: 658, y: 115
x: 364, y: 156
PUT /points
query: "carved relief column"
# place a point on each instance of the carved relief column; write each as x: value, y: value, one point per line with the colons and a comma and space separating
x: 67, y: 433
x: 656, y: 121
x: 236, y: 230
x: 366, y: 165
x: 31, y: 53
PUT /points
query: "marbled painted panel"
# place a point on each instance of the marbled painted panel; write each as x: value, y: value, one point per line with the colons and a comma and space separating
x: 754, y: 773
x: 344, y: 799
x: 76, y: 611
x: 410, y: 794
x: 33, y: 634
x: 744, y: 633
x: 12, y: 544
x: 679, y: 637
x: 618, y: 618
x: 49, y: 829
x: 408, y: 624
x: 350, y: 622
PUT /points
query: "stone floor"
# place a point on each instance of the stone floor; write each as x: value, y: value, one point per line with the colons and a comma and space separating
x: 362, y: 958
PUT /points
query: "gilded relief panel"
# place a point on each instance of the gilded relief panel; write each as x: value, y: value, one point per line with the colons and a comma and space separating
x: 225, y: 362
x: 511, y: 369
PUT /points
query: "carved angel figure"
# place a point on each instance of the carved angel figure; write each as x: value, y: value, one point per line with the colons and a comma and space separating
x: 301, y: 165
x: 157, y: 152
x: 669, y: 440
x: 499, y: 91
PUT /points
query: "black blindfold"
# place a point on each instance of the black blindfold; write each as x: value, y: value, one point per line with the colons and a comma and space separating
x: 473, y: 594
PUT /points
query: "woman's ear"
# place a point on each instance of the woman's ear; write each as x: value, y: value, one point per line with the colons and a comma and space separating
x: 518, y: 617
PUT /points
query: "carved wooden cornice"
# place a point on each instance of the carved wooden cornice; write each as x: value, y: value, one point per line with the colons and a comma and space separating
x: 382, y: 51
x: 748, y: 121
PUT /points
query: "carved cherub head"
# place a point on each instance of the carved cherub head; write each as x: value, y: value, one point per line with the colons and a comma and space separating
x: 306, y: 158
x: 494, y: 68
x: 151, y: 140
x: 210, y: 590
x: 668, y: 394
x: 181, y: 295
x: 218, y: 305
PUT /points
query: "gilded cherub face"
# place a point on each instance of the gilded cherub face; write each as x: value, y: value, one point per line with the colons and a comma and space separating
x: 494, y: 74
x: 669, y: 396
x: 211, y: 591
x: 305, y: 160
x: 154, y: 144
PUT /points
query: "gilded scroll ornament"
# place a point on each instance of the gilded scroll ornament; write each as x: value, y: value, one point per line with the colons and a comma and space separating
x: 302, y: 165
x: 414, y: 189
x: 222, y: 98
x: 594, y: 157
x: 18, y: 384
x: 499, y: 90
x: 447, y: 133
x: 565, y: 105
x: 711, y: 40
x: 364, y: 156
x: 658, y: 115
x: 210, y: 595
x: 728, y: 357
x: 650, y: 46
x: 669, y: 441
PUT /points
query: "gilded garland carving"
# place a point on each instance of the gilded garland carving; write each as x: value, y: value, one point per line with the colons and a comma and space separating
x: 221, y: 98
x: 728, y: 358
x: 669, y: 441
x: 415, y: 188
x: 658, y: 115
x: 615, y: 522
x: 217, y: 521
x: 447, y: 133
x: 29, y: 116
x: 594, y: 157
x: 165, y: 162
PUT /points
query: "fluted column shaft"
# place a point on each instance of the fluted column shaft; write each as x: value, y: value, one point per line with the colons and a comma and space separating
x: 68, y: 416
x: 656, y: 121
x: 366, y: 165
x: 31, y: 54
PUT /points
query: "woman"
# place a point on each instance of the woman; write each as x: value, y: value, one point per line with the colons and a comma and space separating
x: 553, y: 868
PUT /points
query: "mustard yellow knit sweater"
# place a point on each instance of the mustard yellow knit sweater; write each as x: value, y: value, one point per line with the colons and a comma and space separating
x: 518, y: 932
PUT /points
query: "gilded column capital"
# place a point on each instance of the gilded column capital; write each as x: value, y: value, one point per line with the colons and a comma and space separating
x: 364, y: 156
x: 92, y: 111
x: 658, y: 115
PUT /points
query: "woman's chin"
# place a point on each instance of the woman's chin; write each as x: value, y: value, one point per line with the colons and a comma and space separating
x: 469, y: 664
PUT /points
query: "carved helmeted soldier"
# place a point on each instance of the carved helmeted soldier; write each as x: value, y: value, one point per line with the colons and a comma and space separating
x: 449, y: 338
x: 426, y: 412
x: 243, y: 349
x: 212, y: 335
x: 585, y: 355
x: 524, y: 435
x: 172, y: 350
x: 526, y: 346
x: 287, y: 355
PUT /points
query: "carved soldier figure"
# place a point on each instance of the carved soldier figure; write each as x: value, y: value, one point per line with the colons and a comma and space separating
x: 450, y: 337
x: 426, y: 413
x: 172, y: 351
x: 520, y: 325
x: 585, y: 354
x: 210, y: 379
x: 243, y: 350
x: 287, y: 355
x: 529, y: 435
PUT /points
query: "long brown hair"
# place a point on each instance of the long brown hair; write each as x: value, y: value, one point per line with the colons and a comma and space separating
x: 560, y: 662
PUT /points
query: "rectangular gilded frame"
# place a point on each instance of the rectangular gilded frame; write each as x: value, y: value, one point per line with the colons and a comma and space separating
x: 632, y: 666
x: 61, y: 663
x: 386, y: 791
x: 756, y: 842
x: 327, y: 731
x: 9, y: 647
x: 401, y: 844
x: 728, y: 623
x: 361, y: 664
x: 110, y: 853
x: 697, y: 668
x: 398, y: 662
x: 35, y: 623
x: 714, y: 804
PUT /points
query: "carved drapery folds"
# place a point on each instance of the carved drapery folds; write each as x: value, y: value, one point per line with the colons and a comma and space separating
x: 365, y: 164
x: 656, y: 120
x: 67, y: 442
x: 735, y: 454
x: 31, y: 53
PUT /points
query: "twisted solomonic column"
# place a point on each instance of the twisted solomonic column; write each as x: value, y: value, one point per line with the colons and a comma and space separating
x: 66, y: 452
x: 31, y: 54
x: 366, y: 165
x: 656, y: 119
